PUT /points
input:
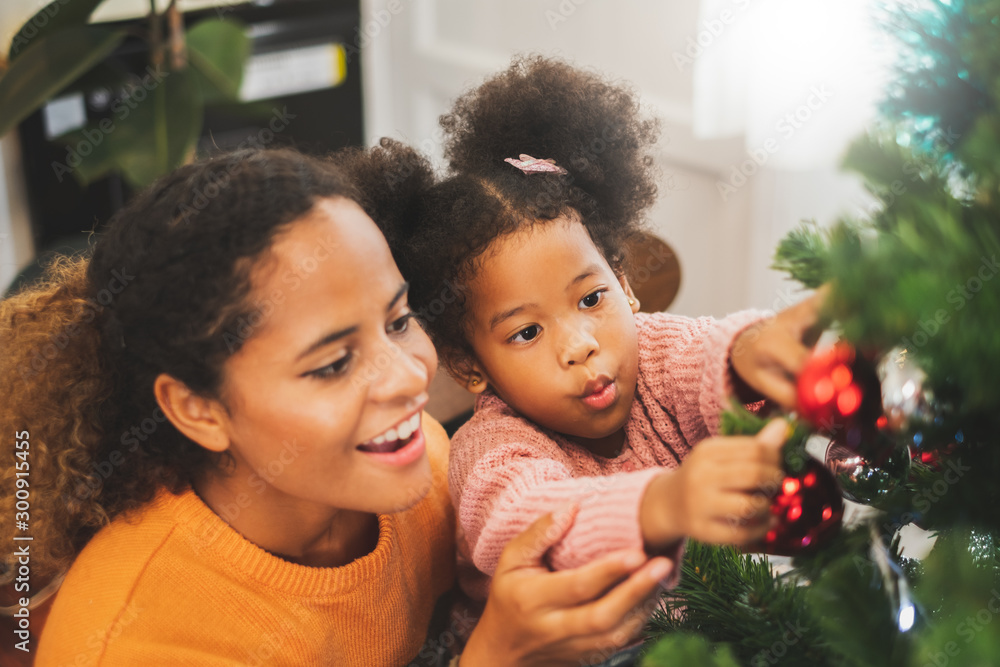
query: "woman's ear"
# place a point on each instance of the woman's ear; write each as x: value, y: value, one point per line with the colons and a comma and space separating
x: 468, y: 374
x: 633, y: 300
x: 202, y: 420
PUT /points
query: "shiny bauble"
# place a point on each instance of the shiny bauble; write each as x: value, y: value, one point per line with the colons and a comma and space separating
x: 807, y: 511
x: 906, y: 400
x: 839, y: 395
x: 864, y: 481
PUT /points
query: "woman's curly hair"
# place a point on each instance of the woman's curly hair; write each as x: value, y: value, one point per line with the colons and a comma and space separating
x: 544, y: 108
x: 165, y: 290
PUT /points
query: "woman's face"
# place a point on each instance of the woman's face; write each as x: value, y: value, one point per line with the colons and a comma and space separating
x: 325, y: 396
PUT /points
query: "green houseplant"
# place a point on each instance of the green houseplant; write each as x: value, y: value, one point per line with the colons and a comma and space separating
x: 156, y: 118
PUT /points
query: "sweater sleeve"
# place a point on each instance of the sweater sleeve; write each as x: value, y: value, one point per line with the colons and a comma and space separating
x: 511, y: 486
x: 685, y: 366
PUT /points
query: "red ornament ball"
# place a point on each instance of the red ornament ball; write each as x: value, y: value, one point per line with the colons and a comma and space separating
x: 839, y: 394
x: 808, y: 508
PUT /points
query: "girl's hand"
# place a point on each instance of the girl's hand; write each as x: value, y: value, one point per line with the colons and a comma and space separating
x: 769, y: 355
x: 537, y: 617
x: 720, y: 494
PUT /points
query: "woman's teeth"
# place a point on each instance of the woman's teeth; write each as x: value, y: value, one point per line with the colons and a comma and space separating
x: 394, y: 437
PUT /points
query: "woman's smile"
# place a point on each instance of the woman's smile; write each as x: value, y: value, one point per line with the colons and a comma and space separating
x: 399, y: 445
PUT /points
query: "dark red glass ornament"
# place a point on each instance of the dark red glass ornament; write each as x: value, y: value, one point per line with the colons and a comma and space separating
x: 839, y: 395
x: 808, y: 508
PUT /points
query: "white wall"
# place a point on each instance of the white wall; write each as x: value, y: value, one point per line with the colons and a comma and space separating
x: 419, y: 58
x: 16, y: 248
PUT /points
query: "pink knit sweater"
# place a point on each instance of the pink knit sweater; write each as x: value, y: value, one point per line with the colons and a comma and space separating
x: 506, y: 471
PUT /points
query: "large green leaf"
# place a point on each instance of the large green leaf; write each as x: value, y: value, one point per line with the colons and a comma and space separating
x: 150, y: 132
x: 48, y: 66
x: 89, y: 155
x: 218, y: 50
x: 54, y: 16
x: 160, y: 133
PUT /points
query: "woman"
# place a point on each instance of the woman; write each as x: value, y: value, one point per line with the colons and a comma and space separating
x: 224, y: 415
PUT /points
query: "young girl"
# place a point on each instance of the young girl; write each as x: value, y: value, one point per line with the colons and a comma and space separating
x: 517, y: 267
x: 222, y: 409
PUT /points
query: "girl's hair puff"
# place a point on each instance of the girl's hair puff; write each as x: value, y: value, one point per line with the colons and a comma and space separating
x: 166, y: 290
x: 547, y: 109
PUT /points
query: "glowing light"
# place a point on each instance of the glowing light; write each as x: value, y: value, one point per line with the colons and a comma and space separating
x: 823, y: 390
x: 764, y: 68
x: 906, y: 617
x: 809, y: 479
x: 849, y: 400
x: 790, y: 486
x: 827, y: 513
x: 806, y: 541
x: 841, y: 376
x: 794, y: 513
x: 882, y: 422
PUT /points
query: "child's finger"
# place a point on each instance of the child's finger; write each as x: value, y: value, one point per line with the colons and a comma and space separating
x: 588, y: 582
x: 742, y: 476
x: 778, y: 387
x: 739, y: 509
x: 806, y: 313
x: 791, y: 355
x: 774, y: 434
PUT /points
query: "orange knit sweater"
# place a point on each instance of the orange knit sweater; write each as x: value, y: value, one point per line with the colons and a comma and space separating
x: 177, y: 585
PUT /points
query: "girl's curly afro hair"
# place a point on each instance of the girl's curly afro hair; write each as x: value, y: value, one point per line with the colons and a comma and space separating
x: 541, y: 107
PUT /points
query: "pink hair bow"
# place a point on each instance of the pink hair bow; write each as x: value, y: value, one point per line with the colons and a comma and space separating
x: 530, y: 165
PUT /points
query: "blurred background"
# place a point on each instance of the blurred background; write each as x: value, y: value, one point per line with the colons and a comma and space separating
x: 758, y: 100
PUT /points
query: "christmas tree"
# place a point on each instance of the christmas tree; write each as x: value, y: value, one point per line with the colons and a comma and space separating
x: 909, y: 398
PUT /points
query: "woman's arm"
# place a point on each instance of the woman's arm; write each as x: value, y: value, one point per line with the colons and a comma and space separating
x: 537, y: 617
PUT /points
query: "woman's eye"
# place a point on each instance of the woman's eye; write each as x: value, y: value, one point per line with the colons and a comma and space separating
x: 334, y: 369
x: 400, y: 325
x: 526, y: 334
x: 591, y: 299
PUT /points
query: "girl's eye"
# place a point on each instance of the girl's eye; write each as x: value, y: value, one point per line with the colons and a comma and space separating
x: 526, y: 334
x: 591, y: 299
x: 338, y: 367
x: 400, y: 325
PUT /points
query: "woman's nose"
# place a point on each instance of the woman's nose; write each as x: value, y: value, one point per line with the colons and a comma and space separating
x: 400, y: 375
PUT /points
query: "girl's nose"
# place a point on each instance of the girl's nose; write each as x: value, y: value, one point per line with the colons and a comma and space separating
x: 579, y: 345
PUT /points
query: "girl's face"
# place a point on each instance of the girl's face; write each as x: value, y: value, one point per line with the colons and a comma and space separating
x: 325, y: 396
x: 553, y: 332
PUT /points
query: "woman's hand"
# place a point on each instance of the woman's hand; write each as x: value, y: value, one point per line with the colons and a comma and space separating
x: 769, y: 355
x: 537, y: 617
x: 720, y: 494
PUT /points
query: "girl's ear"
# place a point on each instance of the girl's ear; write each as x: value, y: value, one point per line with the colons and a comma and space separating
x: 467, y: 373
x: 633, y: 300
x: 203, y: 420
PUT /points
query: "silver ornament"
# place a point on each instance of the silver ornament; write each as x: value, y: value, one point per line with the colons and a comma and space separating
x: 906, y: 400
x: 862, y: 481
